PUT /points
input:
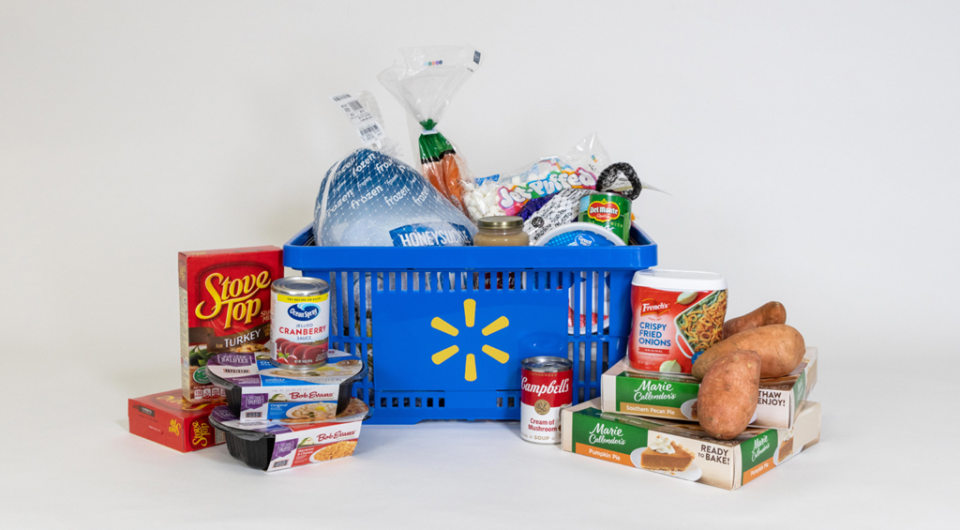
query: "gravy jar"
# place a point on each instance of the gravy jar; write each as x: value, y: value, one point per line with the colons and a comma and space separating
x: 501, y: 231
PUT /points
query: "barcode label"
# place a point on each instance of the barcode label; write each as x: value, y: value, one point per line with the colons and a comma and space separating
x: 252, y: 414
x: 280, y: 463
x: 370, y: 132
x: 218, y: 436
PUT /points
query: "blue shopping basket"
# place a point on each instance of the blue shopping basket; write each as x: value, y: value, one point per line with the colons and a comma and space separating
x: 444, y: 328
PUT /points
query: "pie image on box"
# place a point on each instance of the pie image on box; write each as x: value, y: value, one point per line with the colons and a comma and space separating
x: 665, y: 455
x: 786, y: 449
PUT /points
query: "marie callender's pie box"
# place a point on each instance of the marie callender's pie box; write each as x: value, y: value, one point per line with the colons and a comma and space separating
x: 673, y: 396
x: 170, y: 420
x: 684, y: 450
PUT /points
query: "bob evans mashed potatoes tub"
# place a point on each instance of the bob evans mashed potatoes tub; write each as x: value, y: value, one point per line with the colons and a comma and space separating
x: 677, y: 315
x: 684, y: 450
x: 257, y: 390
x: 274, y: 445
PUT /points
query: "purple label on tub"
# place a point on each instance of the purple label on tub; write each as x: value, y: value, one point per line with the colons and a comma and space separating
x: 233, y: 359
x: 252, y: 401
x: 222, y: 414
x: 281, y: 449
x: 249, y: 380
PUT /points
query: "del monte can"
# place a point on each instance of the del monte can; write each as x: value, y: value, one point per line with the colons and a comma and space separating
x: 300, y: 322
x: 609, y: 210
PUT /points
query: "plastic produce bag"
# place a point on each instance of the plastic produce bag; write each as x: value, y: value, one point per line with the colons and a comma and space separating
x: 371, y: 199
x: 506, y: 194
x: 424, y: 81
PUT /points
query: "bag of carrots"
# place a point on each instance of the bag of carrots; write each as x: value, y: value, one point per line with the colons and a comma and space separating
x: 424, y: 81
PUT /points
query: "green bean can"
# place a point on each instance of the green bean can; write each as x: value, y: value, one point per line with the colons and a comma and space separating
x: 609, y: 210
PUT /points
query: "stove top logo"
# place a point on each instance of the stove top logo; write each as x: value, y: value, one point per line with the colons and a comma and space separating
x: 234, y: 297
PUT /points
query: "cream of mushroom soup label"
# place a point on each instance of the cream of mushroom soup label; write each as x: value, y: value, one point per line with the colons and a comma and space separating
x: 546, y: 388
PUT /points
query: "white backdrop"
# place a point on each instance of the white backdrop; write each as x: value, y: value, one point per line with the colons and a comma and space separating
x: 811, y: 151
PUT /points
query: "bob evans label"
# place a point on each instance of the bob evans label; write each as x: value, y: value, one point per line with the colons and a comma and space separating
x: 314, y: 445
x: 277, y: 393
x: 224, y: 307
x: 674, y: 396
x: 671, y: 328
x: 696, y: 457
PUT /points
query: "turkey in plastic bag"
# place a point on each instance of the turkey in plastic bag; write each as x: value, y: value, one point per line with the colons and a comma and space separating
x: 371, y: 199
x: 424, y: 81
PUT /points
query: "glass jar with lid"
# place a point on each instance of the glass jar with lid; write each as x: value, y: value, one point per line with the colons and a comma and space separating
x: 501, y: 231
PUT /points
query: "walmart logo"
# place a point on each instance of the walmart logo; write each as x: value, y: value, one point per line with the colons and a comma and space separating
x: 469, y: 314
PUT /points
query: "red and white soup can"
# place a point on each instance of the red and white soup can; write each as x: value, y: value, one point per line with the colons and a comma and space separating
x: 546, y: 387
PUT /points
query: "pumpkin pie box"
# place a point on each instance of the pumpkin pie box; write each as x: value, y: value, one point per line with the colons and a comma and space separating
x: 170, y: 420
x: 684, y: 450
x: 674, y: 396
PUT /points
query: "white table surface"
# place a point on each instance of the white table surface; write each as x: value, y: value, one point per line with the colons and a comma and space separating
x: 884, y: 460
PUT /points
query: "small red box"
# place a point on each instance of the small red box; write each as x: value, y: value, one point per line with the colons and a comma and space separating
x: 166, y: 418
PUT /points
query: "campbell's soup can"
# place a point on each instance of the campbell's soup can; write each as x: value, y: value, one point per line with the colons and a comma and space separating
x: 677, y: 315
x: 546, y: 387
x: 299, y: 322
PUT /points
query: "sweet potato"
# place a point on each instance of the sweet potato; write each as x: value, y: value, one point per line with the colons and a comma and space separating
x: 765, y: 315
x: 728, y: 394
x: 780, y: 347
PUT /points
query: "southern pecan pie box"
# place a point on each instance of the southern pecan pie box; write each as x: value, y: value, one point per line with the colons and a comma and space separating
x: 683, y: 450
x: 674, y: 396
x: 224, y: 307
x: 170, y: 420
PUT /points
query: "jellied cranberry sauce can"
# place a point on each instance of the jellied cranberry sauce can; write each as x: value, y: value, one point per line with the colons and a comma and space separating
x: 300, y: 322
x: 546, y: 386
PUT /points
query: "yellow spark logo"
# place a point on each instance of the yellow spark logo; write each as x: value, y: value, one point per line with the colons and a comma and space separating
x: 469, y: 314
